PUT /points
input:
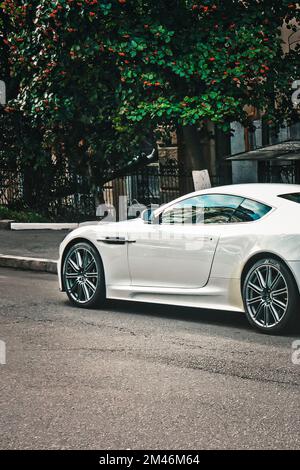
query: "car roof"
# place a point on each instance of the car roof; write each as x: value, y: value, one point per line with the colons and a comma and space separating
x: 255, y: 190
x: 262, y: 192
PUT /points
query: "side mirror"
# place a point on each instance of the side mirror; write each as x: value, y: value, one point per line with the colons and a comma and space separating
x: 147, y: 216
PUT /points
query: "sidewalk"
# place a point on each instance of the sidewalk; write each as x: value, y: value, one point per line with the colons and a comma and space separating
x: 30, y: 249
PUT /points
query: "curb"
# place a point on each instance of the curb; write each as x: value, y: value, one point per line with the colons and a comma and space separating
x: 29, y: 264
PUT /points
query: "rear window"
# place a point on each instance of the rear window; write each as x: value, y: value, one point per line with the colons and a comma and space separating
x: 250, y: 210
x: 295, y: 197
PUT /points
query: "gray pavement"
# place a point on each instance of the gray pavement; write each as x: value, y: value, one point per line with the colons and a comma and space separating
x: 135, y: 375
x: 31, y: 243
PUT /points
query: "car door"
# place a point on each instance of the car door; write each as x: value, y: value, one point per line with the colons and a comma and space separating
x: 178, y: 250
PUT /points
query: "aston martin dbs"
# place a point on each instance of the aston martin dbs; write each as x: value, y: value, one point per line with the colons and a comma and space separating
x: 228, y: 248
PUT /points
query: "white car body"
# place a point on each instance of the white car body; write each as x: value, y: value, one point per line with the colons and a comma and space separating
x: 194, y: 265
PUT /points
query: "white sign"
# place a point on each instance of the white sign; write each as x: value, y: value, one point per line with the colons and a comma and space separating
x: 201, y: 179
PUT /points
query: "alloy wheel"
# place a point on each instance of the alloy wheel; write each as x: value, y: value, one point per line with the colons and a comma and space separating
x: 267, y: 295
x: 81, y: 274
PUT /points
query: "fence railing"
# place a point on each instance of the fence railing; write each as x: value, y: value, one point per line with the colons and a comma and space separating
x: 68, y: 196
x: 11, y: 186
x: 279, y: 172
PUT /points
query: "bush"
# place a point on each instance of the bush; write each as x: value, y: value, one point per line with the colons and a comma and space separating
x: 20, y: 216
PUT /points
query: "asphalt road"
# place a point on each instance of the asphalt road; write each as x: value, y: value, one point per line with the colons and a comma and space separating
x: 134, y: 376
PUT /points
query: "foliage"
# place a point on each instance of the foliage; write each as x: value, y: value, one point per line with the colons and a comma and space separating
x: 20, y: 216
x: 95, y: 78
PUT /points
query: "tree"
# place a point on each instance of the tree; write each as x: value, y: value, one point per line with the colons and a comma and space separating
x: 67, y: 89
x: 95, y: 77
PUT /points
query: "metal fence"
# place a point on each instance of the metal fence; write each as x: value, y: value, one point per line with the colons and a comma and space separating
x: 59, y: 197
x: 154, y: 184
x: 68, y: 196
x: 279, y: 172
x: 11, y: 187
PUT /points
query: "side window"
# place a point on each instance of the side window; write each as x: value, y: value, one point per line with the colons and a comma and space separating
x: 250, y: 210
x: 207, y: 209
x: 218, y: 208
x: 188, y: 211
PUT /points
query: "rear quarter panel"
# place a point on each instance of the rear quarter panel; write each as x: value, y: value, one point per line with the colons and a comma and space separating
x: 277, y: 233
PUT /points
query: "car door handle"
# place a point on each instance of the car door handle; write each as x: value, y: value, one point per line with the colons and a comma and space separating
x: 115, y: 240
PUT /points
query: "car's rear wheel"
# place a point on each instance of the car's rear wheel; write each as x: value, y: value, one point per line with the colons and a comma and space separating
x: 83, y: 276
x: 270, y: 296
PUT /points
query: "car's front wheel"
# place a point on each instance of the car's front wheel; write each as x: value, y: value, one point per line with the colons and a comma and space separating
x: 270, y: 296
x: 83, y: 276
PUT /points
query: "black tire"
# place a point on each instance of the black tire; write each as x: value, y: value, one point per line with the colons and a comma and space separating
x: 270, y: 308
x: 82, y: 269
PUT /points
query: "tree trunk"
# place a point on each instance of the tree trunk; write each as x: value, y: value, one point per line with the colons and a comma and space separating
x: 223, y: 150
x: 195, y: 150
x: 95, y: 187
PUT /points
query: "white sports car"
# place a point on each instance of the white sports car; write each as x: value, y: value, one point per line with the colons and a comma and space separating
x: 227, y: 248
